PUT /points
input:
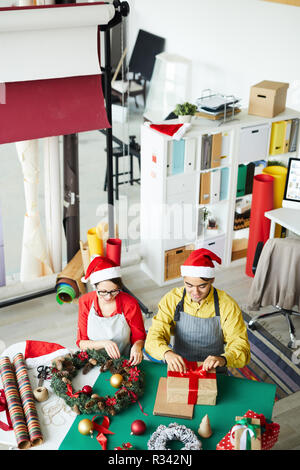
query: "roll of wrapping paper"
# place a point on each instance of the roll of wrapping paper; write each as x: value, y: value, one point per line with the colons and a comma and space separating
x: 259, y: 230
x: 85, y: 255
x: 113, y: 250
x: 95, y: 243
x: 14, y: 403
x: 70, y: 276
x: 279, y: 174
x: 27, y: 400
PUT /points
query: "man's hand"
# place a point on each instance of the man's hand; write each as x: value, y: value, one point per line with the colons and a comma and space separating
x: 175, y: 362
x: 112, y: 349
x: 211, y: 362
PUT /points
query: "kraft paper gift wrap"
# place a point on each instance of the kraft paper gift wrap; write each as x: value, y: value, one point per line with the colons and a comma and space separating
x: 196, y: 386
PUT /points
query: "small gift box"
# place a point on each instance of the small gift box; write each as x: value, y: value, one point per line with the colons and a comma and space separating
x: 196, y: 386
x: 246, y: 434
x: 269, y: 433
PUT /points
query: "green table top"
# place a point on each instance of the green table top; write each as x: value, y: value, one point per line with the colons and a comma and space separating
x: 235, y: 397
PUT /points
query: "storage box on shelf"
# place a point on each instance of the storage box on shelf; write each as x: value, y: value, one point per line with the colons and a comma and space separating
x: 205, y: 172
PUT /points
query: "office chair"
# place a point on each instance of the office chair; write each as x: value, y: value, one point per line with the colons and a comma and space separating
x: 276, y: 269
x: 141, y: 65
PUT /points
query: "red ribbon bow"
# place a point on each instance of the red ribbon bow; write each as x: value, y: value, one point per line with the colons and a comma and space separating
x: 102, y: 429
x: 193, y: 373
x: 134, y: 398
x: 4, y: 407
x: 70, y: 392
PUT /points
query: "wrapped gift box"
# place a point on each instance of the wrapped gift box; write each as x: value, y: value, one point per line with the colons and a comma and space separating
x: 269, y: 433
x: 195, y: 387
x: 246, y: 434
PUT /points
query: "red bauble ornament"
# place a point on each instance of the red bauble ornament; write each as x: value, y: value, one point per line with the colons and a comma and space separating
x: 87, y: 389
x: 138, y: 427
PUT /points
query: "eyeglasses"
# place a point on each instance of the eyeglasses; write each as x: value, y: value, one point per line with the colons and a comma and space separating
x: 104, y: 293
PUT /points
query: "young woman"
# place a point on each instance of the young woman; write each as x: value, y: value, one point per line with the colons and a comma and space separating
x: 109, y: 318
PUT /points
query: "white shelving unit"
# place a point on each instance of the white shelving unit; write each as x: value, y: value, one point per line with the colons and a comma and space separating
x: 170, y: 202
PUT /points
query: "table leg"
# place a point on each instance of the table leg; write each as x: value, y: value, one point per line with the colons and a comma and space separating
x: 272, y: 229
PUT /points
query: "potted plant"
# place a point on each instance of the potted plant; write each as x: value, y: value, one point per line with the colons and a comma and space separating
x: 185, y: 111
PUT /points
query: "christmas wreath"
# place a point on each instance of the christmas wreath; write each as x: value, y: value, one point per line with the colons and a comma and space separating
x: 64, y: 369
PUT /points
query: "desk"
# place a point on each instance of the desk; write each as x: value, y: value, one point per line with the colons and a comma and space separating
x: 288, y: 218
x: 235, y: 397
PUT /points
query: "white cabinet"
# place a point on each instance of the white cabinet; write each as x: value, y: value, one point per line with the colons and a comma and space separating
x: 181, y: 179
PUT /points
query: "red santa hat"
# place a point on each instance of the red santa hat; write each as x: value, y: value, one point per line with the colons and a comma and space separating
x: 36, y: 353
x: 200, y: 264
x: 100, y: 269
x: 176, y: 131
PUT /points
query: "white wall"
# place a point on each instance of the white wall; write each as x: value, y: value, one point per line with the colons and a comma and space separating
x: 233, y: 44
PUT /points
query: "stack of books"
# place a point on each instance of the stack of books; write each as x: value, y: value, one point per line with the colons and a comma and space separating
x: 217, y: 106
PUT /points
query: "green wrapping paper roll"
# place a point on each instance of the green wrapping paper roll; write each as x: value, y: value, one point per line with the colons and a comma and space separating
x: 14, y: 403
x: 27, y: 400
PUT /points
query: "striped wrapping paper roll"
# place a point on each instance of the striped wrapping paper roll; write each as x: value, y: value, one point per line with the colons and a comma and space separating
x: 27, y: 399
x: 14, y: 403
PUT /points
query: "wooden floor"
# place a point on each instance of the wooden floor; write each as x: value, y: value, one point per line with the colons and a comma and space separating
x: 44, y: 319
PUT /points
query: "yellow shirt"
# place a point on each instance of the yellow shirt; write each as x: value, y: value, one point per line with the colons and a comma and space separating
x: 237, y: 348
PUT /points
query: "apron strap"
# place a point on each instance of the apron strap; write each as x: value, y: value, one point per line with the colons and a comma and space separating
x: 179, y: 307
x: 216, y: 301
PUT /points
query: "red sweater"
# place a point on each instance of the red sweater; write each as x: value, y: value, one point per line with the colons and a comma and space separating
x: 125, y: 304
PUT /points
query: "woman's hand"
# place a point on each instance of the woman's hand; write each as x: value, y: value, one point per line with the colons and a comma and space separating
x: 211, y: 362
x: 136, y: 355
x: 175, y: 362
x: 112, y: 349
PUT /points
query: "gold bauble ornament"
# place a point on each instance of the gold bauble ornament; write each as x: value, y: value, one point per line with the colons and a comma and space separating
x: 116, y: 380
x: 85, y: 426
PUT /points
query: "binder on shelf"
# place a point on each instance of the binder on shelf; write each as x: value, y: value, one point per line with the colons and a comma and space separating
x: 224, y: 183
x: 249, y: 177
x: 189, y: 155
x: 204, y: 197
x: 215, y: 182
x: 178, y: 157
x: 277, y: 138
x: 216, y: 150
x: 241, y: 180
x: 206, y: 151
x: 288, y: 125
x: 294, y: 135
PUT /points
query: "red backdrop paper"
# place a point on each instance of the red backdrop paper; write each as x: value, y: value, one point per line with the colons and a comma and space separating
x: 44, y: 108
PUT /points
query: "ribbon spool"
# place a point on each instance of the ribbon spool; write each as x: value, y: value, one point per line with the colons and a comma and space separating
x: 41, y: 394
x: 65, y: 293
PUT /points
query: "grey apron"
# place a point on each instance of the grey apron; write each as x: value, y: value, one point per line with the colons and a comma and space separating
x: 196, y: 338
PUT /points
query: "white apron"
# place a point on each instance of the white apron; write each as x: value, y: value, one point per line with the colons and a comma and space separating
x: 113, y: 328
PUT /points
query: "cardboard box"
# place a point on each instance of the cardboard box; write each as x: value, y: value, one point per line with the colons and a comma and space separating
x: 190, y: 389
x: 267, y: 99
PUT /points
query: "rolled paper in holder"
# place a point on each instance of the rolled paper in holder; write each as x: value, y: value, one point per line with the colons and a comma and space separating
x: 113, y: 250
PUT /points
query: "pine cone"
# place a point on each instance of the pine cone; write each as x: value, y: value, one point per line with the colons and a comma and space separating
x: 76, y: 409
x: 93, y: 361
x: 95, y: 397
x: 66, y: 381
x: 86, y: 368
x: 111, y: 411
x: 101, y: 405
x: 89, y: 404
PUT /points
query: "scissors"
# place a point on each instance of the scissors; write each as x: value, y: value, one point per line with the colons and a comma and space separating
x: 43, y: 372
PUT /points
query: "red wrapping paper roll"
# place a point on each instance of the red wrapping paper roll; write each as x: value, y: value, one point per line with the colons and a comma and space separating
x: 14, y: 403
x: 28, y: 402
x: 262, y: 201
x: 113, y: 250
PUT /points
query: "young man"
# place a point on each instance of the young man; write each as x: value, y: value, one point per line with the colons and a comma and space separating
x: 207, y: 323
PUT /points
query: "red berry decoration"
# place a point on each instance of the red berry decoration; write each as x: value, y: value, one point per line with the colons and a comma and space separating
x: 138, y: 427
x: 87, y: 389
